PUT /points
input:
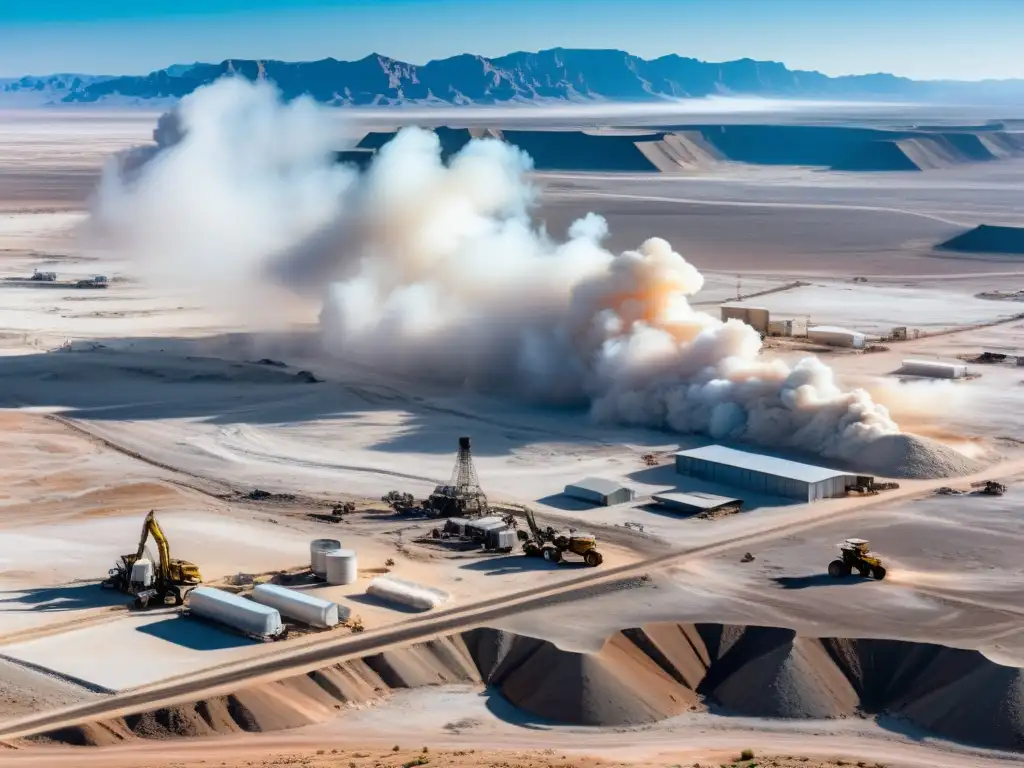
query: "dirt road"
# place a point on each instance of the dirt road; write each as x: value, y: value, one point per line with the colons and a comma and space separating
x: 307, y: 654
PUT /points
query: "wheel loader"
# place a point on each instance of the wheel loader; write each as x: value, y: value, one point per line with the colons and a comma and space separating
x: 554, y: 545
x: 855, y: 556
x: 151, y: 582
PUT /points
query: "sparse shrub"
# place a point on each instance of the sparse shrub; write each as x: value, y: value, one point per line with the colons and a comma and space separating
x: 395, y: 748
x: 747, y: 754
x: 420, y: 760
x: 390, y: 562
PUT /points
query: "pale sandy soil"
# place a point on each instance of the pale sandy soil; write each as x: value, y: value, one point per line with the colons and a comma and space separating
x: 377, y: 757
x: 190, y: 419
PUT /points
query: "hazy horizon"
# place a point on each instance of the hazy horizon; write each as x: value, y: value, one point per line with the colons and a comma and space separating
x: 933, y: 40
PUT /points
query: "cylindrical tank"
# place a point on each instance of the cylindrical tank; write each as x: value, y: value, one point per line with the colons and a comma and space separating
x: 234, y: 611
x: 317, y: 549
x: 341, y: 566
x: 297, y: 605
x: 407, y: 593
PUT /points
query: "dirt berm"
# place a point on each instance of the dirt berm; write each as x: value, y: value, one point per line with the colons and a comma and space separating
x: 640, y: 676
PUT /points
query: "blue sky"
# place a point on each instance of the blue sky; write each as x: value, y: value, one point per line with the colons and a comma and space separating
x: 964, y: 39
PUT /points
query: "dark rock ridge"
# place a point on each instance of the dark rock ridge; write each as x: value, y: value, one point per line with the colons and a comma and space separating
x: 988, y: 238
x: 687, y: 147
x: 557, y: 74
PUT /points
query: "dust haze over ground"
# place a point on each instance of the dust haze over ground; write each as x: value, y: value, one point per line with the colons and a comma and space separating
x: 438, y: 271
x: 161, y: 402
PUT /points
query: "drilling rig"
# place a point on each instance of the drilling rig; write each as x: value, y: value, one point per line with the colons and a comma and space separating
x: 462, y: 496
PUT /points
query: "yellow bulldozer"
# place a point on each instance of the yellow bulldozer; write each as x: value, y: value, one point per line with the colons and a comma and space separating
x: 151, y: 582
x: 553, y: 545
x: 856, y: 555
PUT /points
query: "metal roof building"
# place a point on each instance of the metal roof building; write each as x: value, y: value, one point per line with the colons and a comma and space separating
x: 695, y: 502
x: 764, y: 474
x: 600, y: 491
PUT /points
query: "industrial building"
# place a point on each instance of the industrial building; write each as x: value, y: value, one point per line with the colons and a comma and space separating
x: 756, y: 317
x: 695, y: 503
x: 600, y: 491
x: 763, y: 474
x: 833, y: 336
x: 788, y: 327
x: 934, y: 369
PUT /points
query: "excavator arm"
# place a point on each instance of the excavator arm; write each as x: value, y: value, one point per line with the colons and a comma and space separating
x: 163, y: 569
x: 532, y: 523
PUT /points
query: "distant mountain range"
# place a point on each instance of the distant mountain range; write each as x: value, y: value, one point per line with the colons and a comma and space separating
x: 558, y: 74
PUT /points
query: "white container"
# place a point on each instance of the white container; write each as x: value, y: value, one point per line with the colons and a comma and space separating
x: 835, y: 337
x: 935, y: 369
x: 406, y: 593
x: 235, y: 612
x: 143, y: 573
x: 341, y: 567
x: 317, y: 549
x: 293, y: 604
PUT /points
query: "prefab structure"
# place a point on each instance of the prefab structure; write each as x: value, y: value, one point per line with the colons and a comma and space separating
x: 756, y: 317
x: 297, y: 605
x: 245, y: 616
x: 934, y: 369
x: 788, y: 327
x: 764, y: 474
x: 696, y: 503
x: 835, y: 337
x: 600, y: 491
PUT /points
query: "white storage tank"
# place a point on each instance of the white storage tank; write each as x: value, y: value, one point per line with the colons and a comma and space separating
x: 318, y: 548
x: 407, y: 593
x: 236, y: 612
x: 301, y: 606
x: 341, y: 567
x: 835, y: 337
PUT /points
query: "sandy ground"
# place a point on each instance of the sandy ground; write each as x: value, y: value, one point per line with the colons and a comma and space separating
x: 191, y: 417
x: 456, y: 728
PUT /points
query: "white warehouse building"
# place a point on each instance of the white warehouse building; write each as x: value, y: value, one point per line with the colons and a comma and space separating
x: 763, y: 474
x: 835, y: 337
x: 600, y: 491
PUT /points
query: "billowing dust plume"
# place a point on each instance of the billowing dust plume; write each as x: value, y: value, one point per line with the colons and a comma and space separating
x: 436, y: 270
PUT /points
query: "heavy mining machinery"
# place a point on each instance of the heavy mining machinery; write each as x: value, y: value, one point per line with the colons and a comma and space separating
x: 553, y: 545
x: 151, y: 582
x: 855, y: 555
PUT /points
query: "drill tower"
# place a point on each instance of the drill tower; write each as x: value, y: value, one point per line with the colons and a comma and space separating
x: 462, y: 497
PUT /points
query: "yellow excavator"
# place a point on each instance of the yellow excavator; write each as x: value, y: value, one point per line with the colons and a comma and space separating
x: 145, y: 580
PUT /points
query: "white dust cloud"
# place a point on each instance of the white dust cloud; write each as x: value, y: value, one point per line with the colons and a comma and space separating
x: 435, y: 270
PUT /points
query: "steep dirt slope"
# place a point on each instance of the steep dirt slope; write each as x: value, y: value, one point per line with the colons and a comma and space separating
x: 641, y: 675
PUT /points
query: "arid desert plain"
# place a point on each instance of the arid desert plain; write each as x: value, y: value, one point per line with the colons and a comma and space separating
x: 226, y: 403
